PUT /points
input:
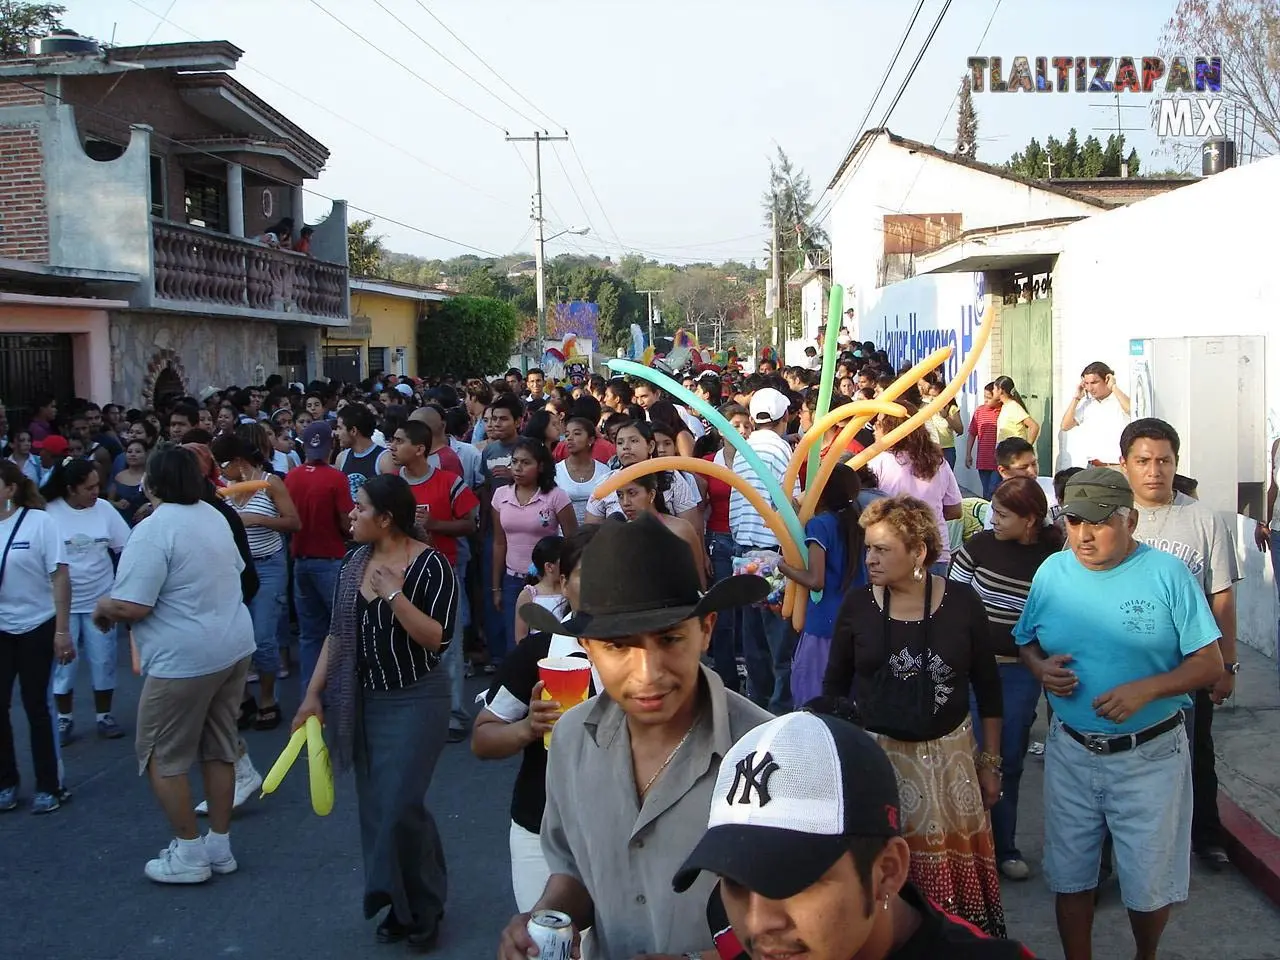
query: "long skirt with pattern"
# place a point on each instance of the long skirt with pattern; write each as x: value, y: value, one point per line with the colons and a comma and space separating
x: 953, y: 858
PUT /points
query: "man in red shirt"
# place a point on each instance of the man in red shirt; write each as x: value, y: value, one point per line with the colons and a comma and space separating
x: 322, y: 497
x: 447, y: 510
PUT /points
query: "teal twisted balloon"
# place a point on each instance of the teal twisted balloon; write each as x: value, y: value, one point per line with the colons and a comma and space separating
x: 781, y: 501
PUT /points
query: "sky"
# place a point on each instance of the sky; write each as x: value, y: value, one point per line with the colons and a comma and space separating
x: 673, y: 107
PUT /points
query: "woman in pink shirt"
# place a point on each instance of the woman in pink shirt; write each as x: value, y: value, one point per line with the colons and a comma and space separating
x: 526, y: 510
x: 915, y: 467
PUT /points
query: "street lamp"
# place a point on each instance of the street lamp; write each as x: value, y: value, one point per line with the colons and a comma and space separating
x: 540, y: 265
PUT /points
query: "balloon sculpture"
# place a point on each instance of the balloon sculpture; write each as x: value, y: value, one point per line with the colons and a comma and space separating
x: 786, y: 522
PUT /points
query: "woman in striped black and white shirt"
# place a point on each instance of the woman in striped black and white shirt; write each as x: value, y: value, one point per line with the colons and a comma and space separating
x: 267, y: 516
x: 999, y: 564
x: 388, y: 703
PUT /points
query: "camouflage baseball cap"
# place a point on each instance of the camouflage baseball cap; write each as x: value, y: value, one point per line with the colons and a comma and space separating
x: 1093, y: 495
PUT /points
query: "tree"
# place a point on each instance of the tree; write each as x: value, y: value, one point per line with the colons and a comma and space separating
x: 1246, y: 34
x: 1071, y: 159
x: 788, y: 199
x: 966, y: 122
x: 467, y: 337
x: 21, y: 22
x: 364, y: 249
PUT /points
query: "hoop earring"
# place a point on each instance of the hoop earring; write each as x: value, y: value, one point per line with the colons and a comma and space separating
x: 918, y: 574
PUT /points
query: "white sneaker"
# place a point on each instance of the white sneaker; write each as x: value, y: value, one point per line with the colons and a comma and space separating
x: 172, y: 867
x: 248, y: 782
x: 221, y: 860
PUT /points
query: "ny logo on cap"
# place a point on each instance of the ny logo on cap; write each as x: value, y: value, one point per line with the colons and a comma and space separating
x: 754, y: 778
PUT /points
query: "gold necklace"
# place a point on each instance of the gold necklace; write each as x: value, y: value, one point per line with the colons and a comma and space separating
x: 667, y: 762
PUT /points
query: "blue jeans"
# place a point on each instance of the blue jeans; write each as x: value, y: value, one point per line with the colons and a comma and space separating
x: 949, y: 455
x: 511, y: 588
x: 1021, y: 696
x: 1275, y: 570
x: 269, y: 610
x: 990, y: 480
x: 314, y: 583
x: 495, y: 631
x: 92, y: 644
x: 452, y: 660
x: 724, y: 653
x: 768, y: 645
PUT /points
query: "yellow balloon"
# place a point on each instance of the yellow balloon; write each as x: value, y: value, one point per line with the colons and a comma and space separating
x: 320, y: 769
x: 862, y: 408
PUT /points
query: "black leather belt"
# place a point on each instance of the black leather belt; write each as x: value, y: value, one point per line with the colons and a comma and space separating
x: 1107, y: 745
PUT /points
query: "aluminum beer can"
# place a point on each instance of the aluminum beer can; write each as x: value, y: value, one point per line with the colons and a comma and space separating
x: 552, y: 933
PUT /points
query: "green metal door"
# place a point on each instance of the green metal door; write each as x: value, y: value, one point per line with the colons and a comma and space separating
x: 1027, y: 333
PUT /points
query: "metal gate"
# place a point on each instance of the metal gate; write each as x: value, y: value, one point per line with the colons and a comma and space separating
x: 32, y: 364
x: 1027, y: 332
x: 342, y: 364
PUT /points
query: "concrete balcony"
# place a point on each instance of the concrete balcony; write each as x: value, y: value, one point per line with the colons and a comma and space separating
x: 208, y: 272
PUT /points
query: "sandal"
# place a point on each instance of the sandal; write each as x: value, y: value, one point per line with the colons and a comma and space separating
x: 268, y: 718
x: 248, y: 713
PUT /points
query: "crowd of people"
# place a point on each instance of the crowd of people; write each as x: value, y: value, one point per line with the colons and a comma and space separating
x: 383, y: 541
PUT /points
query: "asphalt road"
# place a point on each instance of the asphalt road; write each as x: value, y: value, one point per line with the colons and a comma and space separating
x: 72, y: 887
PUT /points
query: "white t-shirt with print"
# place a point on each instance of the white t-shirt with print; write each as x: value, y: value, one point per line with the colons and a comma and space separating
x: 182, y: 562
x: 680, y: 498
x: 26, y: 593
x: 87, y: 537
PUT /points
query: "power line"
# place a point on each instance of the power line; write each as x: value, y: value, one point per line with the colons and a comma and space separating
x: 151, y: 36
x: 550, y: 206
x: 485, y: 63
x: 266, y: 176
x: 407, y: 69
x: 902, y: 89
x: 351, y: 123
x: 576, y: 195
x: 888, y: 71
x: 590, y: 186
x: 437, y: 52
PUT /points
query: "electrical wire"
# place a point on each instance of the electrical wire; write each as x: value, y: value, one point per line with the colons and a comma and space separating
x: 590, y: 186
x: 549, y: 205
x: 437, y: 52
x: 480, y: 191
x: 403, y: 66
x: 485, y: 63
x: 266, y: 176
x: 884, y: 79
x: 151, y: 36
x: 884, y: 121
x: 576, y: 195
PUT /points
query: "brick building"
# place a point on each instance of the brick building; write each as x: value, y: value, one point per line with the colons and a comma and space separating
x: 132, y: 181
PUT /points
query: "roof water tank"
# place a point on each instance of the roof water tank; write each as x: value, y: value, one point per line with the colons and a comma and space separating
x: 67, y: 43
x: 1218, y: 155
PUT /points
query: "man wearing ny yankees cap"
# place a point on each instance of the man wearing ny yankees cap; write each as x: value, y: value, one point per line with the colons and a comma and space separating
x: 805, y: 836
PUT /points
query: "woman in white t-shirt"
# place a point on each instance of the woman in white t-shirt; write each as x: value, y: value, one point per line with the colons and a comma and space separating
x: 91, y: 530
x: 35, y: 600
x: 580, y: 472
x: 635, y: 443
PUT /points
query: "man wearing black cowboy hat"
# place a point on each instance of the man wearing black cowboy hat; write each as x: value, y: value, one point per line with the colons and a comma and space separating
x: 630, y: 772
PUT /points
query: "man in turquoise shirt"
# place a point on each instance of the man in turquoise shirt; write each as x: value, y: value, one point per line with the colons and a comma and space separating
x: 1118, y: 634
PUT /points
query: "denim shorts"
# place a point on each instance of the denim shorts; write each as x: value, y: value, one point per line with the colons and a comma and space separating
x: 1143, y: 796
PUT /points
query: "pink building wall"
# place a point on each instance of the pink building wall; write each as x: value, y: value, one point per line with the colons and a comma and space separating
x: 84, y: 320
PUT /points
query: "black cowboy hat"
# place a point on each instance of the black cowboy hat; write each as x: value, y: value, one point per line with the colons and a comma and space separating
x: 639, y: 577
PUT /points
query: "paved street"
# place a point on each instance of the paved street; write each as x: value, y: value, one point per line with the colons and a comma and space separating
x: 72, y: 884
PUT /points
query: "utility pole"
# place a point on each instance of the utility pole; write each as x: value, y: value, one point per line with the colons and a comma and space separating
x: 538, y: 139
x: 650, y: 294
x: 777, y: 285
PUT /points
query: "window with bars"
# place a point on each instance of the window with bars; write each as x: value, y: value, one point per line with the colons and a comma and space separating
x: 205, y: 199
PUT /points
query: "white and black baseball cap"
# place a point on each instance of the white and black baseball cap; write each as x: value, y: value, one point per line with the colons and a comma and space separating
x: 790, y: 796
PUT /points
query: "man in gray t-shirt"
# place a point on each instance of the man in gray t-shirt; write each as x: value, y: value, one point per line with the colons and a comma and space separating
x: 1199, y: 537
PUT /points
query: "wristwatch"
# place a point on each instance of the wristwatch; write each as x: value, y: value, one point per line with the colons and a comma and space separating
x: 1232, y: 668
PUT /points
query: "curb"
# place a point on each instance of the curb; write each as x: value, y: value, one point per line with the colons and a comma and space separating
x: 1253, y: 848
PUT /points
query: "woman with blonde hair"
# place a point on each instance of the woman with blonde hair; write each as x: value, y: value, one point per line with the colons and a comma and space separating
x: 908, y: 647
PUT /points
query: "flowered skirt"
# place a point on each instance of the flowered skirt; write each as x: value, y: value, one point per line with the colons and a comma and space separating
x: 953, y: 857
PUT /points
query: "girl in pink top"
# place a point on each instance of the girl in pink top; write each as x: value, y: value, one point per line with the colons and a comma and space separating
x: 915, y: 467
x: 529, y: 508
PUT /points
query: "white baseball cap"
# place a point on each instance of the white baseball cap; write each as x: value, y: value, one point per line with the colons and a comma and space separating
x: 768, y: 406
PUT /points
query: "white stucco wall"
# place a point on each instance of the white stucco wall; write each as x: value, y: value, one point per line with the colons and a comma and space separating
x: 892, y: 179
x: 1197, y: 262
x: 911, y: 319
x: 813, y: 309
